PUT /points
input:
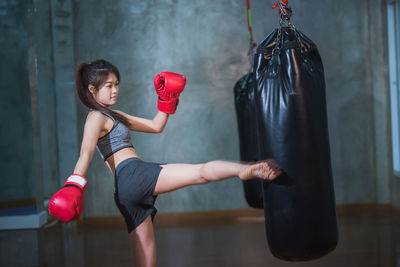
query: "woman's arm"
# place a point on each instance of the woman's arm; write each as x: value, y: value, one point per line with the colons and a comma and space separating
x: 94, y: 124
x: 156, y: 125
x: 67, y: 203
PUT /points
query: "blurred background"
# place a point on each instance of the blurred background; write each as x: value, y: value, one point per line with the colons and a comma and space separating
x: 42, y: 41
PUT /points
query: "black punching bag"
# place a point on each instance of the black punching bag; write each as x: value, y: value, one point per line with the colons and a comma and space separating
x: 299, y: 206
x: 248, y: 141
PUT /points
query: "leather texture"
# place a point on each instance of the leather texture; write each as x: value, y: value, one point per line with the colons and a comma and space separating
x: 290, y: 103
x: 248, y: 139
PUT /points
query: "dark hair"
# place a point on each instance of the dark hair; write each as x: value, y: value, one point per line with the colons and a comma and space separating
x: 96, y: 74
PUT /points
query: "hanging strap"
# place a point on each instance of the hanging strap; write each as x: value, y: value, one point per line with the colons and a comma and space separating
x: 250, y: 25
x: 252, y: 44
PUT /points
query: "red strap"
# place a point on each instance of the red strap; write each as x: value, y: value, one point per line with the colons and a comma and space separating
x: 249, y: 24
x: 283, y: 2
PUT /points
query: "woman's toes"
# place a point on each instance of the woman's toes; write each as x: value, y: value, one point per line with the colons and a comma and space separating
x: 266, y: 170
x: 275, y: 174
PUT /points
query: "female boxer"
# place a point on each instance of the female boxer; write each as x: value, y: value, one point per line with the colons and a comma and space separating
x: 137, y: 183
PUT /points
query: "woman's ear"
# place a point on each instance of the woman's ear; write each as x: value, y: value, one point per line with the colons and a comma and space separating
x: 91, y: 88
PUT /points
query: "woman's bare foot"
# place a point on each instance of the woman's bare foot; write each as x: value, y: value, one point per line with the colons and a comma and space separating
x: 266, y: 169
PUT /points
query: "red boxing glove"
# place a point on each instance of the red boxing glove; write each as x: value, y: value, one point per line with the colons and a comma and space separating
x: 67, y: 203
x: 168, y: 86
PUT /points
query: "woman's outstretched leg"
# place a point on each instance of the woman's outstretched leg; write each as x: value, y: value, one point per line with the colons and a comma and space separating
x: 175, y: 176
x: 143, y: 244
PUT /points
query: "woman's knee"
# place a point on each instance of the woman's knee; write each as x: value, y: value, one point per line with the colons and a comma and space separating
x: 143, y: 233
x: 206, y: 173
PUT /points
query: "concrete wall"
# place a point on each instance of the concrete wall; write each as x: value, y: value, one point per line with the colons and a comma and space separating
x: 395, y: 182
x: 16, y: 127
x: 41, y: 32
x: 207, y: 42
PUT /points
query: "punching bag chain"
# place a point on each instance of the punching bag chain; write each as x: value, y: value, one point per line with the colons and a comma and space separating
x: 285, y: 14
x: 277, y: 48
x: 284, y: 11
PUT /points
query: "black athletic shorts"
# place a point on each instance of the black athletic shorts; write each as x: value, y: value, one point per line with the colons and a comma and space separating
x: 135, y: 181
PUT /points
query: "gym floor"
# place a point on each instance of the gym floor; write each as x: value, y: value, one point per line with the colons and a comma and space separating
x: 369, y: 236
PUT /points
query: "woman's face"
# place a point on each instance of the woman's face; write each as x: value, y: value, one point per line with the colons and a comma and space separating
x: 107, y: 94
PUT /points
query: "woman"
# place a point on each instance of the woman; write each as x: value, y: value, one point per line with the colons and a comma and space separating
x: 137, y: 183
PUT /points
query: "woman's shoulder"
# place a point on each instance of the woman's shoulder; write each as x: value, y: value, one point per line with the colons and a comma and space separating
x: 96, y: 116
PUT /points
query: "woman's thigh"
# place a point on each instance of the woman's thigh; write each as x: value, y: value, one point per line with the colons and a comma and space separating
x: 175, y: 176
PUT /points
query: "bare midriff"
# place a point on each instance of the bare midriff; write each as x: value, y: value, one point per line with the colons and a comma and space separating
x: 115, y: 159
